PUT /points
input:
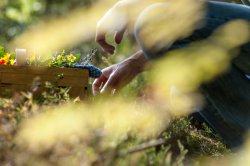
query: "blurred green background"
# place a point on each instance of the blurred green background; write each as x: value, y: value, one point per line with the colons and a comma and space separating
x: 17, y: 15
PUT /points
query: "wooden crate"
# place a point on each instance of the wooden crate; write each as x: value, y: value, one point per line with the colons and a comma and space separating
x: 20, y: 78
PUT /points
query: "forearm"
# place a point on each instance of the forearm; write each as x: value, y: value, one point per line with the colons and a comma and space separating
x: 138, y: 61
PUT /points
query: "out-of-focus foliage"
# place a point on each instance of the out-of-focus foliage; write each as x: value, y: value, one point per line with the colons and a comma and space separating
x: 109, y: 131
x: 16, y: 16
x: 94, y: 133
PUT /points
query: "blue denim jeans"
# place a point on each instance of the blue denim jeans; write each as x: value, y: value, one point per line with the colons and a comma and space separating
x: 227, y: 110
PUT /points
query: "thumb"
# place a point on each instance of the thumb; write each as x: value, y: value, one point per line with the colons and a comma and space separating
x: 119, y: 36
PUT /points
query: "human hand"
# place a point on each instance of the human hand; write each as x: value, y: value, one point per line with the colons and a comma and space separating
x: 118, y: 75
x: 114, y: 21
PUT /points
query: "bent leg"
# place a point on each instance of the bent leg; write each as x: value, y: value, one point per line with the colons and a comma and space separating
x: 218, y: 13
x: 228, y: 106
x: 228, y: 97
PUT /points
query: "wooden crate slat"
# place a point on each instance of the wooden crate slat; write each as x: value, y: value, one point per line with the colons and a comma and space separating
x: 6, y: 90
x: 15, y: 78
x: 44, y: 70
x: 81, y: 92
x: 20, y: 78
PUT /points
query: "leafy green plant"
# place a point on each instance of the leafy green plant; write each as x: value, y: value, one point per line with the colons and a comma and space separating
x: 54, y: 94
x: 64, y: 59
x: 61, y: 59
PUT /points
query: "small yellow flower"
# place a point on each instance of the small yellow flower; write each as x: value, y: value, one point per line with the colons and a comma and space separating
x: 59, y: 58
x: 12, y: 61
x: 71, y: 58
x: 6, y: 57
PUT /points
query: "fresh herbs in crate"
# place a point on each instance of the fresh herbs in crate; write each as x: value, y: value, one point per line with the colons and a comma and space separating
x: 63, y: 59
x: 59, y: 59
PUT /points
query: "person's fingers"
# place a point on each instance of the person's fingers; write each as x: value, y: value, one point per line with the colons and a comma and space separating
x: 119, y: 36
x: 97, y: 84
x: 101, y: 40
x: 110, y: 85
